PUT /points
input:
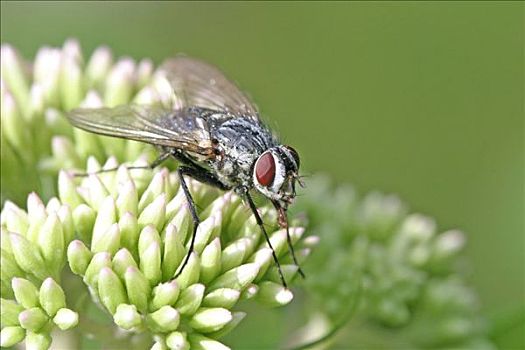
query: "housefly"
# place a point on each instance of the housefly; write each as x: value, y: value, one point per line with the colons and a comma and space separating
x: 216, y: 134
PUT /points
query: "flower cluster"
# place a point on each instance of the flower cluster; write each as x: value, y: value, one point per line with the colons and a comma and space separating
x: 133, y: 229
x: 394, y: 271
x: 125, y: 233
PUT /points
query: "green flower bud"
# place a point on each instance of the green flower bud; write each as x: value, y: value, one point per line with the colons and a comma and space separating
x: 10, y: 311
x: 11, y: 335
x: 273, y: 294
x: 79, y: 257
x: 190, y: 299
x: 110, y: 289
x: 211, y: 261
x: 38, y: 341
x: 263, y: 258
x: 84, y: 219
x: 51, y: 242
x: 33, y: 319
x: 99, y: 261
x: 106, y: 217
x: 173, y: 252
x: 127, y: 200
x: 208, y: 320
x: 121, y: 261
x: 67, y: 190
x: 52, y: 297
x: 109, y: 242
x: 129, y: 233
x: 200, y: 342
x: 222, y: 297
x: 8, y: 267
x: 154, y: 213
x: 27, y: 257
x: 26, y: 293
x: 119, y: 83
x: 138, y: 288
x: 165, y: 319
x: 190, y: 274
x: 156, y: 187
x: 177, y: 341
x: 150, y: 263
x: 148, y: 235
x: 14, y: 218
x: 234, y: 254
x: 68, y: 227
x: 65, y: 319
x: 14, y: 75
x: 71, y: 90
x: 127, y: 317
x: 181, y: 220
x: 98, y: 66
x: 64, y: 153
x: 237, y: 278
x: 206, y: 229
x: 164, y: 294
x: 237, y: 317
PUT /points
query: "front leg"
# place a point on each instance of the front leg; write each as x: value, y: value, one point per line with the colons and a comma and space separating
x: 201, y: 175
x: 259, y: 221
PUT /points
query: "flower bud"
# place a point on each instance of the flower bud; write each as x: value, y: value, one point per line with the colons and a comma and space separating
x: 222, y: 297
x: 67, y: 190
x: 150, y: 263
x: 138, y: 288
x: 164, y: 294
x: 11, y: 310
x: 121, y: 261
x: 37, y: 341
x: 127, y: 200
x: 208, y: 320
x: 99, y: 261
x: 237, y: 317
x: 78, y: 256
x: 127, y: 317
x: 165, y: 319
x: 190, y: 299
x: 110, y: 289
x: 154, y: 213
x: 26, y: 294
x: 51, y: 242
x: 129, y: 233
x: 27, y: 257
x: 273, y: 294
x: 173, y: 252
x: 11, y: 335
x: 84, y: 219
x: 237, y: 278
x: 65, y: 319
x: 109, y: 242
x: 200, y: 342
x: 33, y: 319
x: 211, y: 261
x: 190, y: 274
x: 106, y: 217
x: 52, y: 297
x: 177, y: 341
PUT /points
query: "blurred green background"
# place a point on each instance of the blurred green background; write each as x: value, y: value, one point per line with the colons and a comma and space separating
x: 420, y: 99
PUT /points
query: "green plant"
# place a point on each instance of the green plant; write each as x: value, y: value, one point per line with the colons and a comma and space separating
x: 95, y: 256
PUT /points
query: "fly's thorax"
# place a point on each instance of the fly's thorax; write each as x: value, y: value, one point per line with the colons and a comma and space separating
x: 274, y: 174
x: 240, y: 141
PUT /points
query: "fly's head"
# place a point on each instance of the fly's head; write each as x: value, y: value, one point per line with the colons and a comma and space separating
x: 274, y: 175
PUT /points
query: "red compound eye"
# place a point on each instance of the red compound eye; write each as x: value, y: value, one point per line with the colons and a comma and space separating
x: 265, y: 169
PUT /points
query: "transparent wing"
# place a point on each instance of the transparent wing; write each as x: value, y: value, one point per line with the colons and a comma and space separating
x: 196, y: 83
x: 151, y: 124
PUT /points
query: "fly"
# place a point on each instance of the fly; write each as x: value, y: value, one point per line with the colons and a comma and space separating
x: 216, y: 134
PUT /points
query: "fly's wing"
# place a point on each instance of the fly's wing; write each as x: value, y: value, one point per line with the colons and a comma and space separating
x: 197, y: 84
x: 151, y: 124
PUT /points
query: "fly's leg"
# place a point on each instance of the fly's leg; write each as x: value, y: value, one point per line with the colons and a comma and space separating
x: 201, y: 175
x: 283, y: 223
x: 153, y: 165
x: 260, y: 224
